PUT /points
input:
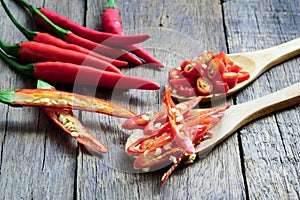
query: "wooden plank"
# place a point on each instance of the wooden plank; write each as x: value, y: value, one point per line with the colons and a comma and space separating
x: 38, y: 160
x: 270, y: 151
x: 219, y: 174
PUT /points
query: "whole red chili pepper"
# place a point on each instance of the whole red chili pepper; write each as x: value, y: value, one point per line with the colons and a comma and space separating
x: 55, y: 99
x: 67, y: 121
x: 112, y: 23
x: 31, y: 51
x: 68, y: 73
x: 49, y: 39
x: 70, y: 37
x: 97, y: 36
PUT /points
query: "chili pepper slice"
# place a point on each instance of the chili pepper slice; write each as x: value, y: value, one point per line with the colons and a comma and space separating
x: 110, y: 39
x: 65, y: 119
x: 177, y: 126
x: 69, y: 36
x: 243, y: 76
x: 48, y: 98
x: 230, y: 78
x: 215, y: 67
x: 49, y: 39
x: 204, y: 86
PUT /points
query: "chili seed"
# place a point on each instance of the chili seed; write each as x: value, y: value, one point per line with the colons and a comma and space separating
x: 62, y: 102
x: 74, y: 134
x: 173, y: 159
x: 157, y: 152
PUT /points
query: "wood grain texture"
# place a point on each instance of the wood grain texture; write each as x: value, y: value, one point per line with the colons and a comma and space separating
x: 271, y: 164
x: 39, y: 161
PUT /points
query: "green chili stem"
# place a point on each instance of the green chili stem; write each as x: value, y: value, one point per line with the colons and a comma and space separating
x: 12, y: 50
x: 44, y: 85
x: 7, y: 97
x: 110, y: 4
x: 27, y: 33
x: 24, y: 69
x: 60, y: 31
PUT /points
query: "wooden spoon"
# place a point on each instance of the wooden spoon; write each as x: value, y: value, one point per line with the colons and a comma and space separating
x: 238, y: 115
x: 257, y: 62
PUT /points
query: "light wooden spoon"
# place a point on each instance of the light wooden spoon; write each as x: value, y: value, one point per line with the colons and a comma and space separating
x: 238, y: 115
x: 257, y: 62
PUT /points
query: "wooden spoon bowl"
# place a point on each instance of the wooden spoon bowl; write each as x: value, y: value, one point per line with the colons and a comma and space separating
x: 238, y: 115
x: 256, y: 62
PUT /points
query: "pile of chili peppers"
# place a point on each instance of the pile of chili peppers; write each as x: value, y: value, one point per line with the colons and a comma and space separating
x: 170, y: 136
x: 70, y: 50
x: 206, y: 74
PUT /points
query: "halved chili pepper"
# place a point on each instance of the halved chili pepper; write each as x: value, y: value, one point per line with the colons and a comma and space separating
x: 230, y: 78
x: 176, y: 121
x: 54, y: 99
x: 68, y: 73
x: 204, y: 86
x: 49, y: 39
x: 31, y: 51
x: 215, y: 67
x: 69, y: 36
x: 67, y: 121
x: 243, y: 76
x: 112, y: 23
x: 110, y: 39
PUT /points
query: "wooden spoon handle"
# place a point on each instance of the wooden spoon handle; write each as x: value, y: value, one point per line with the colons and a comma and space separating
x: 238, y: 115
x: 270, y: 57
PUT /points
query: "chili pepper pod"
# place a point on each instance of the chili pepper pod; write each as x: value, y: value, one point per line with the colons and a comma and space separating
x: 49, y: 39
x: 54, y: 99
x: 31, y: 51
x: 97, y: 36
x: 70, y: 37
x: 112, y: 23
x: 68, y: 73
x: 67, y: 121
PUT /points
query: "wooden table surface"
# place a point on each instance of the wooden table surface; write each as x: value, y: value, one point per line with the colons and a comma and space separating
x: 260, y: 161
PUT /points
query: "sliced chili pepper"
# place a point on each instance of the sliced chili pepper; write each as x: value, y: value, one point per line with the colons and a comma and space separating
x: 49, y: 39
x: 220, y: 87
x: 224, y: 58
x: 55, y: 72
x: 243, y: 76
x: 233, y: 68
x: 65, y: 119
x: 174, y: 73
x: 215, y: 67
x: 148, y: 121
x: 69, y: 36
x: 193, y: 70
x: 186, y: 91
x: 31, y: 51
x: 174, y: 83
x: 112, y: 23
x: 204, y: 86
x: 230, y: 78
x: 110, y: 39
x: 176, y: 121
x: 54, y: 99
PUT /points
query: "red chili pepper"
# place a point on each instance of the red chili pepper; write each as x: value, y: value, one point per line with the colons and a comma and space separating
x: 31, y: 51
x: 66, y: 120
x: 70, y: 37
x: 49, y: 39
x: 108, y: 38
x: 54, y: 99
x: 243, y: 76
x: 230, y: 78
x: 214, y: 68
x: 68, y: 73
x: 177, y: 126
x: 112, y: 23
x: 204, y: 86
